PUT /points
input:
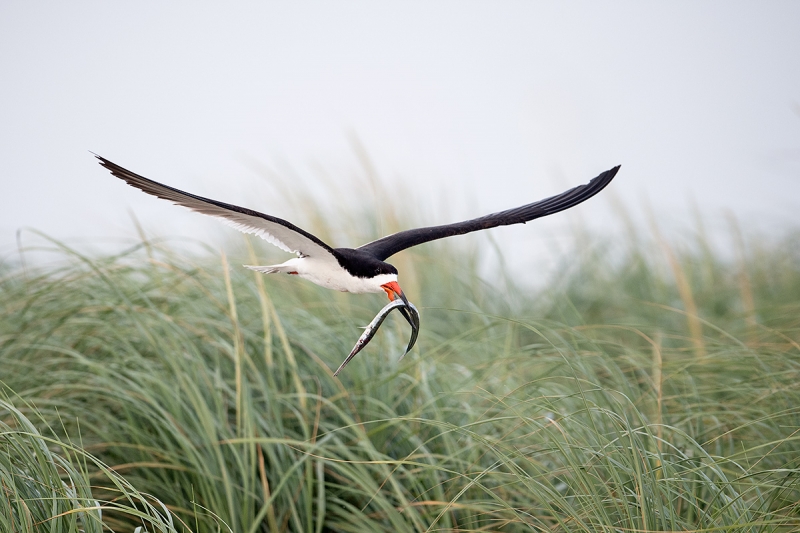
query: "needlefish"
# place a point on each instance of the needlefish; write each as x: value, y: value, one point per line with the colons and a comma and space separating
x: 409, y: 312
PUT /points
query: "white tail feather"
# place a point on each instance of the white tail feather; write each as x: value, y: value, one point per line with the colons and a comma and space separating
x: 270, y: 269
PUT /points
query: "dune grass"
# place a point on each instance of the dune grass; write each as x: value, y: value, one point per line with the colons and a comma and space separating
x: 650, y: 387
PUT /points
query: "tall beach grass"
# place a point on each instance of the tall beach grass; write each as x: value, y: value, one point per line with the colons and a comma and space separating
x: 652, y: 386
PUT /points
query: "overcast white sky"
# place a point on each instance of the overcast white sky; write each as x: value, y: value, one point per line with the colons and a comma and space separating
x: 485, y: 105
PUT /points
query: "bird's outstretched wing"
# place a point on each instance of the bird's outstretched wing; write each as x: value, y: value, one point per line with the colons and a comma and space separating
x: 279, y: 232
x: 391, y: 244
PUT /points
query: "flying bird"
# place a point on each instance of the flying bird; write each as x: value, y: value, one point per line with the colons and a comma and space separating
x: 357, y: 270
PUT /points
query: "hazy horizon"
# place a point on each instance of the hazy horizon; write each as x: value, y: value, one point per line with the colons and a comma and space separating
x: 468, y: 107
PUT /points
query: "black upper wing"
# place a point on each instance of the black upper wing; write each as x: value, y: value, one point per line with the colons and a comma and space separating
x: 274, y: 230
x: 391, y: 244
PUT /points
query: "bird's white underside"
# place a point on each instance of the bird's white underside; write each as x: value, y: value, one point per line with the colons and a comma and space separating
x: 325, y: 274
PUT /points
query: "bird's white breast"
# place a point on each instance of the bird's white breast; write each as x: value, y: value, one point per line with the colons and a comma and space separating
x: 329, y: 274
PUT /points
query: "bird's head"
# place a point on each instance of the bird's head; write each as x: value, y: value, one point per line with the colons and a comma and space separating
x: 393, y: 291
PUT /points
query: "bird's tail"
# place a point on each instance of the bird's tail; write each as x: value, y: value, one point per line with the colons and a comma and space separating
x: 269, y: 269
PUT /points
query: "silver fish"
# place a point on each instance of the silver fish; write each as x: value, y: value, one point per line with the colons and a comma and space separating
x: 409, y: 312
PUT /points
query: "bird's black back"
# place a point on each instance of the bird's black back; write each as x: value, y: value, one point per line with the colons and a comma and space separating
x: 362, y: 264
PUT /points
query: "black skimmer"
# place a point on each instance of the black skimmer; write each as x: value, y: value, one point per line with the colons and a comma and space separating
x: 357, y: 270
